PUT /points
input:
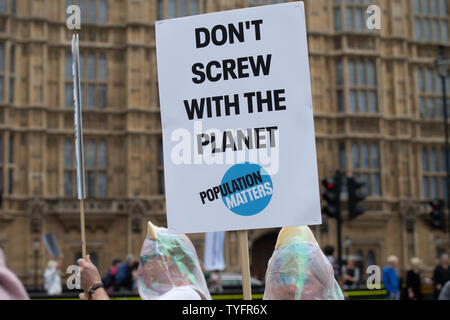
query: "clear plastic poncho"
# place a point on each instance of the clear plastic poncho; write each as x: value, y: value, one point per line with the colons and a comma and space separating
x: 168, y: 261
x: 298, y: 270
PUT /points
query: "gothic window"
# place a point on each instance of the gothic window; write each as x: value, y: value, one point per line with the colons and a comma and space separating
x: 434, y: 172
x: 350, y: 15
x: 69, y: 170
x: 96, y: 164
x: 11, y: 73
x: 360, y: 86
x: 366, y: 166
x: 94, y: 86
x: 3, y: 79
x: 263, y: 2
x: 429, y: 88
x: 431, y: 20
x: 167, y: 9
x: 92, y: 11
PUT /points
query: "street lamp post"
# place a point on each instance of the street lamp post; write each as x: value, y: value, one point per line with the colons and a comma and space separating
x: 36, y: 245
x: 442, y: 66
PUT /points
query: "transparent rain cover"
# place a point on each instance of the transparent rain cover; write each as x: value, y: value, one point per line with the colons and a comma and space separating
x: 298, y: 270
x: 168, y: 262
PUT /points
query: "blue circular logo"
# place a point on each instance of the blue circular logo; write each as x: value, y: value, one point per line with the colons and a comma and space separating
x: 246, y: 189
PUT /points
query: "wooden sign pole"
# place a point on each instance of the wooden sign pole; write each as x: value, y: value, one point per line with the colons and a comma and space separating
x: 78, y: 125
x: 83, y: 232
x: 245, y: 264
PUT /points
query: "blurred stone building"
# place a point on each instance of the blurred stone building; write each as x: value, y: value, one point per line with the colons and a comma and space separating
x: 378, y: 115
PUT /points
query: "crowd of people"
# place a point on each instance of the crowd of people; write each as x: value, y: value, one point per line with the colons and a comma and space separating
x: 412, y: 289
x: 121, y: 276
x: 408, y: 287
x: 168, y: 268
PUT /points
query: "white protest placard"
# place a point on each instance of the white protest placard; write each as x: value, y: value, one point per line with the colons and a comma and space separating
x: 237, y: 120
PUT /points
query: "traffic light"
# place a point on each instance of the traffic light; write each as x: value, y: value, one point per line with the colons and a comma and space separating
x: 332, y: 196
x: 437, y: 215
x: 355, y: 196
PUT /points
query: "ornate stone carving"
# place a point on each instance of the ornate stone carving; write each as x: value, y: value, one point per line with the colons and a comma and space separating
x: 36, y: 210
x: 136, y: 210
x: 410, y: 211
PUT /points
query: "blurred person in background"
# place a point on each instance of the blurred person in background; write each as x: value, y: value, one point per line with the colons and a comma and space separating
x: 350, y: 274
x: 52, y: 279
x: 10, y: 286
x: 329, y: 254
x: 215, y: 282
x: 123, y: 276
x: 109, y: 279
x: 390, y: 278
x: 134, y: 276
x: 441, y: 275
x: 413, y: 280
